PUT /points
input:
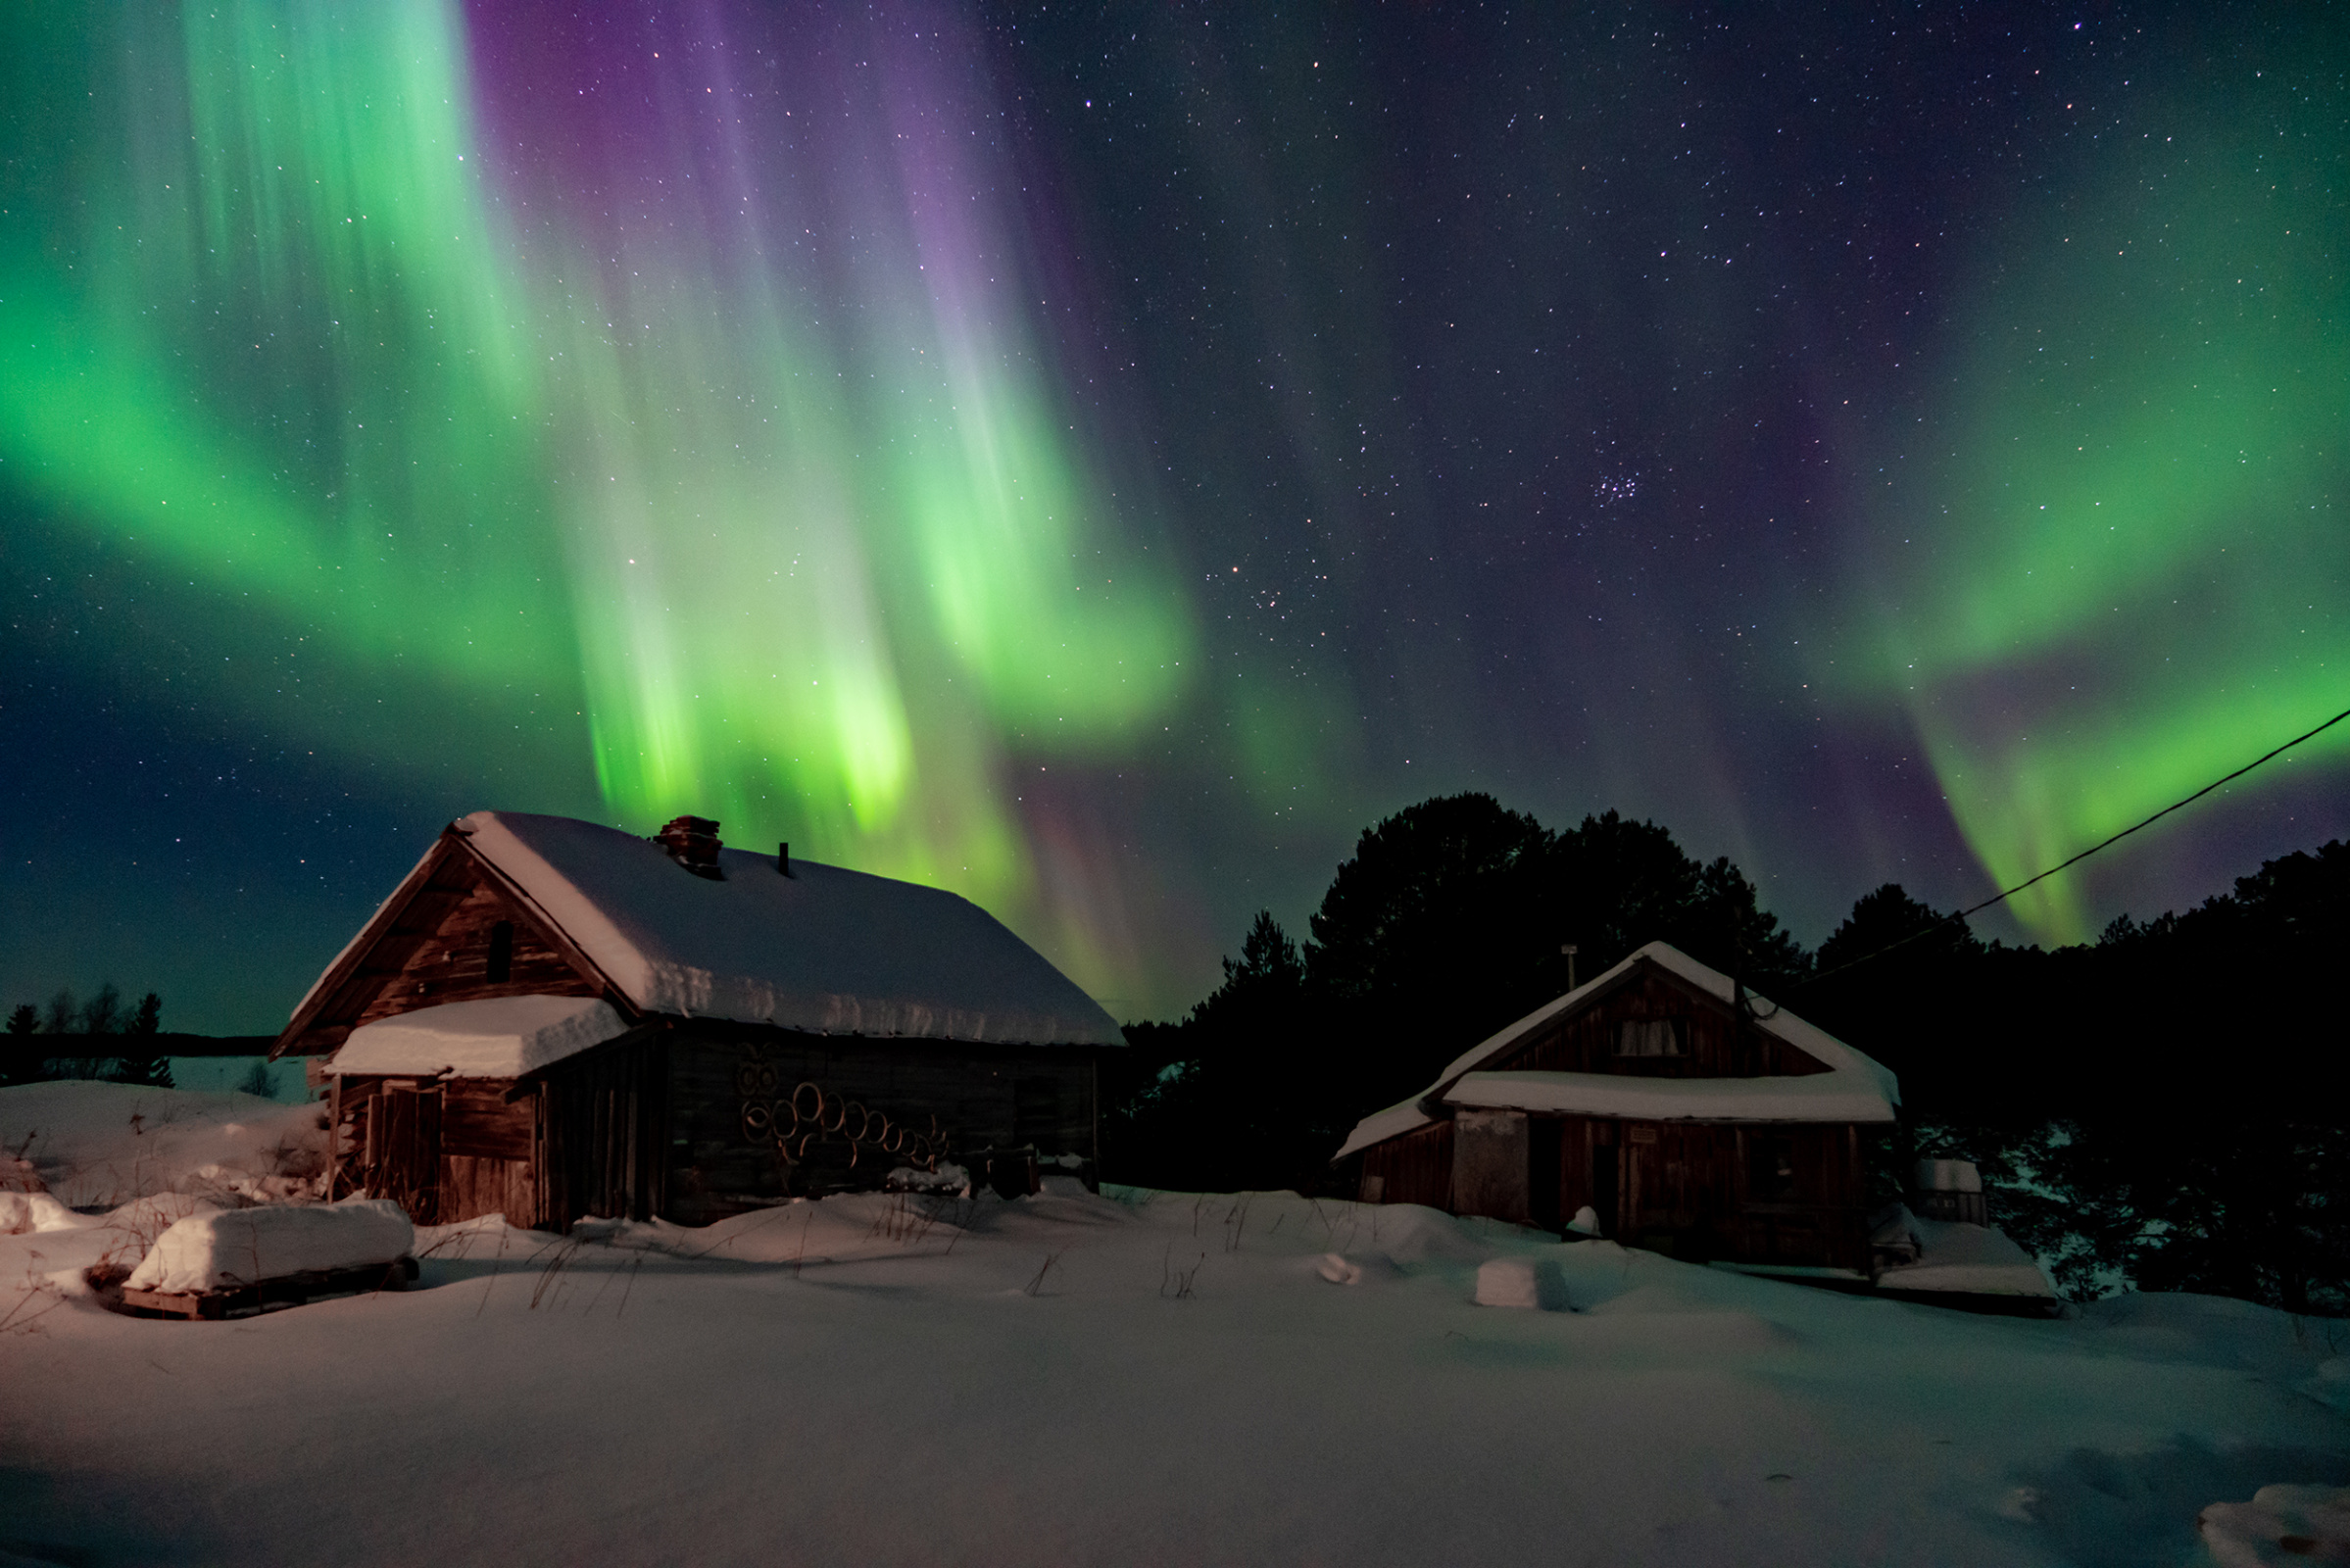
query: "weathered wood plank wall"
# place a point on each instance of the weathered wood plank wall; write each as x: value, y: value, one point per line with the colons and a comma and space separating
x: 451, y: 962
x: 732, y: 1099
x: 1415, y: 1168
x: 660, y: 1122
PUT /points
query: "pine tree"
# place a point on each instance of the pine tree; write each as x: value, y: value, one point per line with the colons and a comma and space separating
x: 146, y: 1068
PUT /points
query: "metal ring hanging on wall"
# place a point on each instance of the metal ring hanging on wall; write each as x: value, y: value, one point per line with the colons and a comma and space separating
x: 809, y: 1116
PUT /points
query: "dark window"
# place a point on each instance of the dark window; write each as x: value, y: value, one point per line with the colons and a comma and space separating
x: 1649, y: 1036
x: 502, y: 953
x: 1770, y: 1166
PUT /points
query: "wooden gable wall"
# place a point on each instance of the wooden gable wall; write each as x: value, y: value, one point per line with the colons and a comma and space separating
x: 431, y: 945
x: 451, y: 961
x: 1715, y: 1044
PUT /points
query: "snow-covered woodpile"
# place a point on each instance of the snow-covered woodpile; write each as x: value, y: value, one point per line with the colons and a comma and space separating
x: 551, y: 1020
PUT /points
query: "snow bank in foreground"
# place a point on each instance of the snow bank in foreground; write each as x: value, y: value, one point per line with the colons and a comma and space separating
x: 2281, y: 1525
x: 20, y: 1212
x: 241, y: 1246
x: 1135, y: 1378
x: 99, y: 1145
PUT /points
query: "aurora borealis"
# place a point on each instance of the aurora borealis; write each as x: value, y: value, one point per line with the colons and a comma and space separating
x: 1100, y: 462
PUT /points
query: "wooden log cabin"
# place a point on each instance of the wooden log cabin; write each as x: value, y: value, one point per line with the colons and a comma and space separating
x: 1688, y: 1117
x: 550, y: 1019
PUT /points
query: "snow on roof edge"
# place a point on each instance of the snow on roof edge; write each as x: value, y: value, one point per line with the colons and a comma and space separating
x: 493, y: 1037
x: 1381, y: 1125
x: 1836, y: 1096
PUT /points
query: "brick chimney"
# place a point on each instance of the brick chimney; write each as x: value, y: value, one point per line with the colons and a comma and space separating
x: 693, y: 843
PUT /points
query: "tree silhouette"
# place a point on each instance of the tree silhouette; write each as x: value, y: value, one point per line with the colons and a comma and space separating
x: 145, y: 1067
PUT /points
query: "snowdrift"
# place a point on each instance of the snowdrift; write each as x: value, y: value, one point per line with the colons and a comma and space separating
x: 1134, y: 1376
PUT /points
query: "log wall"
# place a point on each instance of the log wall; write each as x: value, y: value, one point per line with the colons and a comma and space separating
x: 451, y: 962
x: 444, y: 1151
x: 438, y: 942
x: 743, y: 1130
x: 694, y: 1122
x: 1707, y: 1189
x: 1413, y: 1167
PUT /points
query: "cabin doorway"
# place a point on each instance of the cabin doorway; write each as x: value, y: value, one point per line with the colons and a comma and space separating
x: 1544, y: 1170
x: 1607, y: 1189
x: 403, y: 1153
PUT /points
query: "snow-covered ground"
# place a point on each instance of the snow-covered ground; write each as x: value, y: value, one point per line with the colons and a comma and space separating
x: 1134, y: 1378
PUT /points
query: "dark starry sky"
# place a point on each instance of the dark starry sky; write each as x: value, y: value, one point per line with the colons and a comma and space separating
x: 1639, y: 408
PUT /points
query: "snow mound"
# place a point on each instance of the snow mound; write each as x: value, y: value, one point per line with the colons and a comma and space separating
x: 2331, y: 1384
x: 2214, y: 1330
x: 22, y: 1213
x: 241, y: 1246
x: 1976, y: 1258
x: 1412, y: 1235
x: 2281, y: 1525
x: 100, y: 1144
x: 1522, y: 1282
x: 949, y: 1179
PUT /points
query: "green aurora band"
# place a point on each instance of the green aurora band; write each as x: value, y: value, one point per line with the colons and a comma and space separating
x: 2130, y: 572
x: 283, y: 331
x: 711, y: 430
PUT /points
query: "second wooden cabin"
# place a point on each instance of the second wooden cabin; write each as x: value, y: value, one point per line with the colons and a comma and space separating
x: 550, y: 1019
x: 1689, y: 1117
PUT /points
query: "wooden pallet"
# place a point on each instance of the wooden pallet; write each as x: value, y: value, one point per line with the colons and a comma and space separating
x: 291, y: 1289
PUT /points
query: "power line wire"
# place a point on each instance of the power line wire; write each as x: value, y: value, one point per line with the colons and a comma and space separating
x: 1961, y: 916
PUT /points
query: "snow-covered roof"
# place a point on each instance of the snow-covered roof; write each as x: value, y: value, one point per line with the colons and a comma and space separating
x: 1382, y: 1125
x: 824, y: 948
x: 499, y: 1037
x: 1861, y: 1088
x: 1813, y: 1097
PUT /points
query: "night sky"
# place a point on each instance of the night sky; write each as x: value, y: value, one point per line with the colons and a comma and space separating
x: 1101, y: 458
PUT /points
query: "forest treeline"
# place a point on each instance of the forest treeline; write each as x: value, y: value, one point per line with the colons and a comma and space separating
x: 2152, y: 1108
x: 73, y: 1026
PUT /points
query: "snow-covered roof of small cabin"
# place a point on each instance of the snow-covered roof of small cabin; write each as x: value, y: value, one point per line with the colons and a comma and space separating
x: 826, y: 948
x: 1810, y: 1097
x: 499, y: 1037
x: 1855, y: 1088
